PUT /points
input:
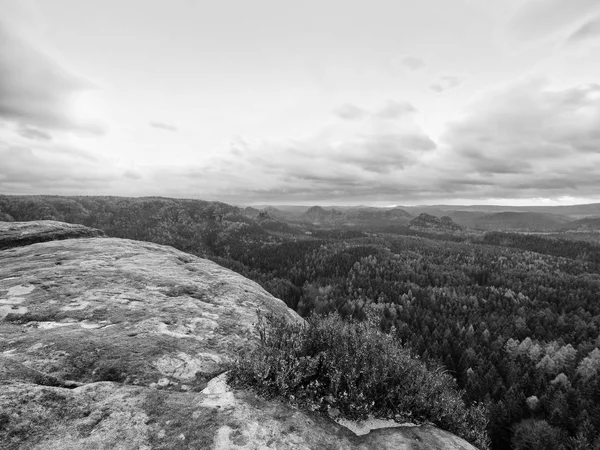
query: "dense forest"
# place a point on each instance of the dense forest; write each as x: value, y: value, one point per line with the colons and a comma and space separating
x: 514, y: 318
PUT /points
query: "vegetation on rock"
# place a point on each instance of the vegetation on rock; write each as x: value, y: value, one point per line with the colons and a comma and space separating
x: 352, y: 370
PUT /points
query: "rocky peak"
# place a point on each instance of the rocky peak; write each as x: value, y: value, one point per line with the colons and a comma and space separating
x: 17, y: 234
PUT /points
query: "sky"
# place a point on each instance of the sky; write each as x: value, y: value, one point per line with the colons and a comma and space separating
x: 330, y: 102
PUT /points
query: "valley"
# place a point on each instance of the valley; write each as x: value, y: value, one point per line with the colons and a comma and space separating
x: 506, y: 301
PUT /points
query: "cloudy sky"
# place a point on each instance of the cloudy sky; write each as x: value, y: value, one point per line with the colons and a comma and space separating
x: 377, y: 102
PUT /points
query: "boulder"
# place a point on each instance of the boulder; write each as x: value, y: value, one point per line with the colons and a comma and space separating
x: 117, y: 344
x: 17, y: 234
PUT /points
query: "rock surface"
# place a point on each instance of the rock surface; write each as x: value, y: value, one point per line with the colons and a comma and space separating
x: 17, y: 234
x: 118, y: 310
x: 117, y: 344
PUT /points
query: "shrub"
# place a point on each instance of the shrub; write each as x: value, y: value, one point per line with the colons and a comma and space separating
x: 353, y: 369
x: 533, y: 434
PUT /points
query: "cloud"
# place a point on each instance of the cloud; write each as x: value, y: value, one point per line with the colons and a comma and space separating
x: 393, y: 110
x: 413, y: 63
x: 381, y: 153
x: 35, y: 90
x: 529, y: 139
x: 445, y: 83
x: 348, y: 111
x: 52, y: 170
x: 538, y: 19
x: 132, y: 174
x: 163, y: 126
x: 360, y: 159
x: 589, y: 30
x: 33, y: 133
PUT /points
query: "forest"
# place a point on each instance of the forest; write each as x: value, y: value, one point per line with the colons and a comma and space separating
x: 514, y: 318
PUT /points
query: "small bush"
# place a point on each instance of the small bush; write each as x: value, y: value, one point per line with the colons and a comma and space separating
x: 353, y: 369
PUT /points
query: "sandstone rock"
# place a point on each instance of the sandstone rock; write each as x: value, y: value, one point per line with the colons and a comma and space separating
x: 16, y: 234
x: 432, y: 224
x: 113, y: 309
x: 116, y: 344
x: 108, y: 415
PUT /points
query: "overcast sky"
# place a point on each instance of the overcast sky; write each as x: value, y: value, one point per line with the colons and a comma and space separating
x: 377, y: 102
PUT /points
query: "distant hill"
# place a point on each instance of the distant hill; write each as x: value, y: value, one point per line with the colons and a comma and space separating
x: 465, y: 218
x: 573, y: 211
x: 318, y: 214
x: 587, y: 224
x: 364, y: 217
x: 273, y: 223
x: 378, y: 214
x: 522, y: 221
x: 194, y: 226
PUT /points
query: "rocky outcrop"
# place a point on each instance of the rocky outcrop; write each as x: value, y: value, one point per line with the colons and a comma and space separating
x: 432, y: 224
x: 17, y: 234
x: 117, y: 344
x: 128, y: 311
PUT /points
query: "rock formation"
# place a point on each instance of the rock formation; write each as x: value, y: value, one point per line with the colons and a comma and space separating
x: 17, y: 234
x: 432, y: 224
x: 117, y: 344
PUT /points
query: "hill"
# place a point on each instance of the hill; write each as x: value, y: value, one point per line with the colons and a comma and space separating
x: 587, y: 224
x: 522, y: 221
x: 572, y: 211
x: 378, y: 215
x: 317, y: 214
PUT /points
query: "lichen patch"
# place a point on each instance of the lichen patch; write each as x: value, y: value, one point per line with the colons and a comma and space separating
x: 17, y: 291
x: 185, y: 367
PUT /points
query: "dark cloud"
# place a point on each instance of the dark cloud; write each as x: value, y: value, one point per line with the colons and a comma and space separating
x: 163, y: 126
x: 589, y: 30
x: 529, y: 139
x: 367, y: 158
x: 373, y: 157
x: 413, y: 63
x: 348, y: 111
x: 35, y: 90
x: 540, y: 18
x: 490, y: 164
x: 445, y: 83
x: 45, y: 167
x: 383, y: 153
x: 34, y: 133
x: 393, y: 110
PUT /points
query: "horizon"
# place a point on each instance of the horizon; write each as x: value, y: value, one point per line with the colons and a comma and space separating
x: 322, y: 205
x: 309, y: 103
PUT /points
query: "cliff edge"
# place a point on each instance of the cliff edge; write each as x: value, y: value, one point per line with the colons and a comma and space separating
x: 117, y: 344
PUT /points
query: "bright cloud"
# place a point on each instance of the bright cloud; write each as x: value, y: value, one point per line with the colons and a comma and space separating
x: 35, y: 90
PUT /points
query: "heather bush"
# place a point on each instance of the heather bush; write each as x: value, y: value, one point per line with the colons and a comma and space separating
x: 353, y: 370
